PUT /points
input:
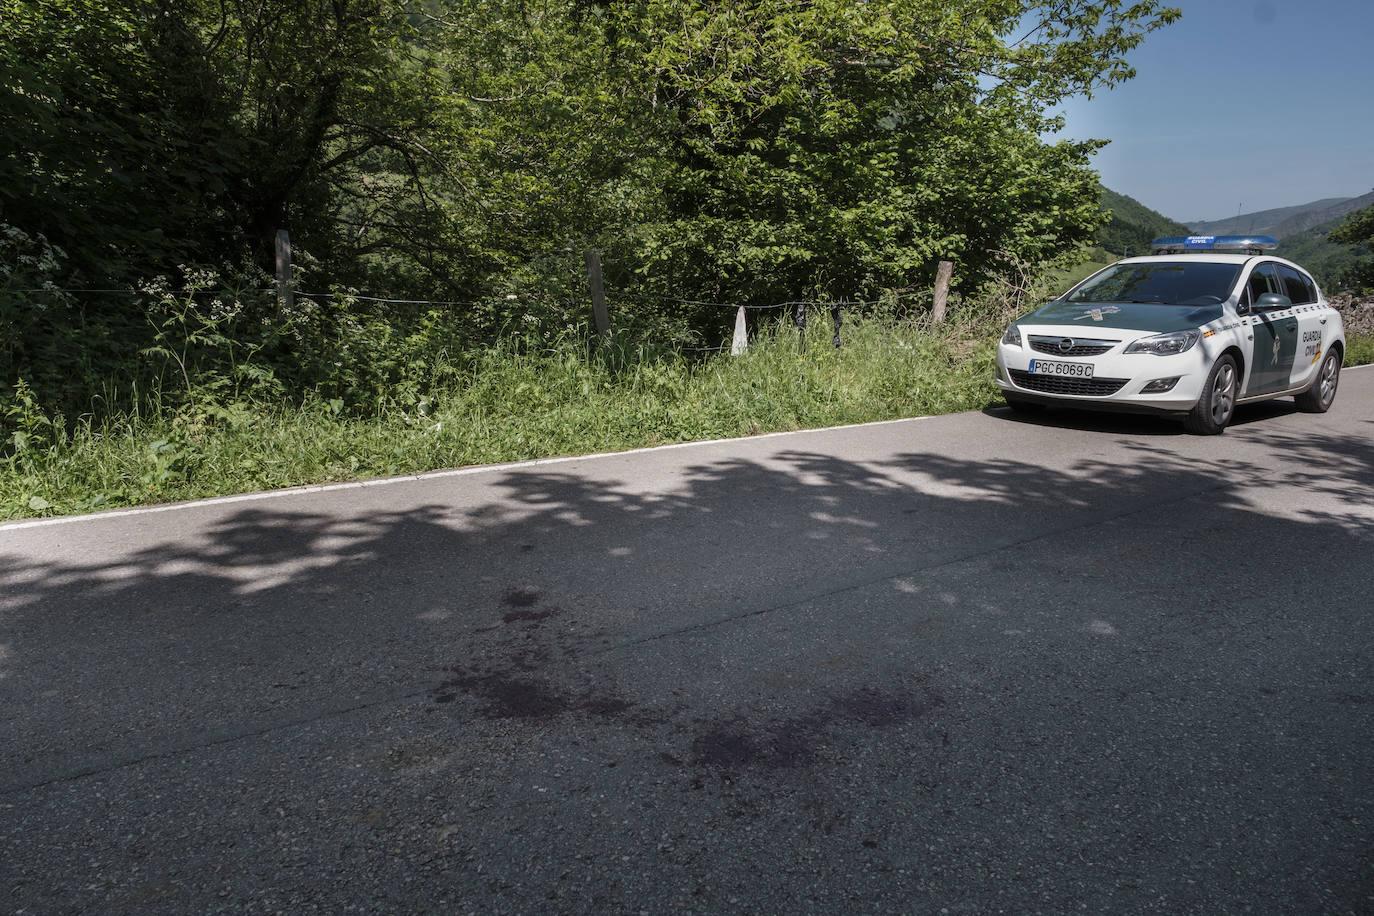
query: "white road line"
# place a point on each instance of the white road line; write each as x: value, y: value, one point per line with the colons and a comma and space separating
x: 429, y: 475
x: 433, y: 475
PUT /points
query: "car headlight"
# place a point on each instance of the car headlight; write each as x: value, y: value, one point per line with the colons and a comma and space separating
x: 1166, y: 344
x: 1013, y: 336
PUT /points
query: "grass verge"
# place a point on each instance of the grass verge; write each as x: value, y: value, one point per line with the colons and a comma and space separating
x: 1359, y: 349
x: 515, y: 403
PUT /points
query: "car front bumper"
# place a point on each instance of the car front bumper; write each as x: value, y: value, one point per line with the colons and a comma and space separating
x: 1118, y: 379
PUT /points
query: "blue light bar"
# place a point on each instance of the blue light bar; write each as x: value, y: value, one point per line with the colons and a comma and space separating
x: 1252, y: 244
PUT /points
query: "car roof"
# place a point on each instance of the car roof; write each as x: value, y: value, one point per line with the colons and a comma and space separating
x: 1209, y: 257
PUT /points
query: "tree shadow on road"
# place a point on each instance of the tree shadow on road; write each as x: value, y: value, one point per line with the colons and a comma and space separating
x: 753, y: 619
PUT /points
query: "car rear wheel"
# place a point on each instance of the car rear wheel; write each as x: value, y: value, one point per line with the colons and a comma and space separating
x: 1319, y: 397
x: 1217, y: 404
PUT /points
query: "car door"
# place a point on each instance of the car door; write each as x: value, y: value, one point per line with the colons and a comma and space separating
x: 1311, y: 323
x: 1275, y: 334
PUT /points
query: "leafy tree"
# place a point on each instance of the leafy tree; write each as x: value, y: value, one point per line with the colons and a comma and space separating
x: 767, y: 148
x: 773, y: 150
x: 89, y: 165
x: 1358, y: 229
x: 1328, y: 261
x: 151, y: 134
x: 154, y: 132
x: 472, y: 149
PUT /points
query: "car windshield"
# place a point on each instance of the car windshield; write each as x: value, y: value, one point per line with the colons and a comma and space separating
x: 1168, y: 282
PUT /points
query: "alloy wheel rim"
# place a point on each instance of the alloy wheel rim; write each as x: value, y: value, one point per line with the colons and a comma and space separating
x: 1222, y: 394
x: 1328, y: 380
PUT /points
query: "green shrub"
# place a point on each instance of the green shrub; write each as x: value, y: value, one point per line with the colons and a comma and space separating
x: 418, y: 408
x: 1359, y: 349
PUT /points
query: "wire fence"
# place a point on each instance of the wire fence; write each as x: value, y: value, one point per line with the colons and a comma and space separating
x: 796, y: 310
x: 349, y: 294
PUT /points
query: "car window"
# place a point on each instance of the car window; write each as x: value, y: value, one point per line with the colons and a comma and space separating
x: 1263, y: 279
x: 1296, y: 286
x: 1167, y: 282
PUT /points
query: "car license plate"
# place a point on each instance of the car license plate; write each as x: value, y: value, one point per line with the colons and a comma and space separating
x: 1067, y: 370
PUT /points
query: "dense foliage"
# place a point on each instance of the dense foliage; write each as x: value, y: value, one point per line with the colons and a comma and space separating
x: 1331, y: 263
x: 470, y: 152
x: 1357, y: 231
x: 514, y: 402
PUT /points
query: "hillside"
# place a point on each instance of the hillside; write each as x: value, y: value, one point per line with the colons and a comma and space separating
x: 1284, y: 221
x: 1132, y: 226
x: 1310, y: 248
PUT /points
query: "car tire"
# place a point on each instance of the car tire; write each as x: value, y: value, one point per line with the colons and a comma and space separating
x: 1322, y: 392
x: 1019, y: 404
x: 1217, y: 405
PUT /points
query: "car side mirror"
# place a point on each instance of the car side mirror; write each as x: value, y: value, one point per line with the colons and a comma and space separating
x: 1272, y: 302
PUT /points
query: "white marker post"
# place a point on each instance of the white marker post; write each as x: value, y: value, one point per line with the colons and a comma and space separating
x: 740, y: 345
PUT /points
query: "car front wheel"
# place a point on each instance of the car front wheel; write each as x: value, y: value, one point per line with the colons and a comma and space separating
x: 1319, y: 397
x: 1217, y: 404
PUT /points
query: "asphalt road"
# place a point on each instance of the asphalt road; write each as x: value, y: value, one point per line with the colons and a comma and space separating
x: 968, y: 664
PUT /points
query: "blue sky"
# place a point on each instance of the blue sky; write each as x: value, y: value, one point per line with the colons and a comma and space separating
x: 1241, y: 105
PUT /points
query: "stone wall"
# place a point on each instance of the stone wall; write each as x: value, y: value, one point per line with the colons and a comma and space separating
x: 1356, y: 311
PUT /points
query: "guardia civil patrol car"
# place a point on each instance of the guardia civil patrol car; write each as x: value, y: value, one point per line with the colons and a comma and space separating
x: 1202, y: 324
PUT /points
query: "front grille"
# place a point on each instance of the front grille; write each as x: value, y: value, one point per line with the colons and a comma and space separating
x: 1081, y: 347
x: 1053, y: 384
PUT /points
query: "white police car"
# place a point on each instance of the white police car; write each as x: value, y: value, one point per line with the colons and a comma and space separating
x: 1203, y: 324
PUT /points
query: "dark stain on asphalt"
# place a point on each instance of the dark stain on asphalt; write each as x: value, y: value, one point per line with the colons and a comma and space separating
x: 731, y: 745
x: 505, y: 696
x: 728, y: 746
x: 519, y: 679
x: 738, y: 744
x: 534, y: 617
x: 516, y: 678
x: 881, y: 710
x: 520, y: 597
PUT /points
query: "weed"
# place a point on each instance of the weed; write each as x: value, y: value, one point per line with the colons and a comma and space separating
x: 422, y: 406
x: 1359, y: 350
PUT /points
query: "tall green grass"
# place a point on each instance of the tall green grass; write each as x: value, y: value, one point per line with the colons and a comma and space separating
x: 1359, y: 349
x: 184, y: 439
x: 514, y: 401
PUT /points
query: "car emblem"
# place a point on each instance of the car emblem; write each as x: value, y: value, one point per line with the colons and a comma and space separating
x: 1066, y: 345
x: 1096, y: 314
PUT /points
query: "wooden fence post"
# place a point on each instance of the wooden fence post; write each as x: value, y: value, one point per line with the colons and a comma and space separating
x: 286, y: 287
x: 942, y: 278
x: 603, y: 318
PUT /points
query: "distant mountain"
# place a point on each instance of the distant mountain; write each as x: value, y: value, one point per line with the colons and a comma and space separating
x: 1303, y: 229
x: 1284, y: 220
x: 1132, y: 226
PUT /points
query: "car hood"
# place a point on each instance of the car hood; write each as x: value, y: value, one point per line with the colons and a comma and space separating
x: 1134, y: 316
